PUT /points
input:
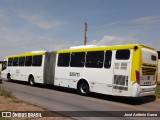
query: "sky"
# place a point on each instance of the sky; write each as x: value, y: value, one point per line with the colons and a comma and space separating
x: 31, y: 25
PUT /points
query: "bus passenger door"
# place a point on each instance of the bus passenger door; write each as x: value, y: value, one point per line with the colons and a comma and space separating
x: 121, y: 78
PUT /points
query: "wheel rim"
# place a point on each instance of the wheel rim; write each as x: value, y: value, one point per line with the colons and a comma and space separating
x: 8, y: 77
x: 84, y: 88
x: 31, y: 81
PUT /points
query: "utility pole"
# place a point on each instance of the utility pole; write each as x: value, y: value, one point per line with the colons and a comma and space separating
x: 85, y: 31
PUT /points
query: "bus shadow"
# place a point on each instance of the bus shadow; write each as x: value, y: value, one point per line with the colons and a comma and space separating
x: 119, y: 99
x: 125, y: 100
x: 62, y: 89
x: 15, y: 81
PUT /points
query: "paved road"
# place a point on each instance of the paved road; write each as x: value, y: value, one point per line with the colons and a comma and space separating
x: 62, y: 99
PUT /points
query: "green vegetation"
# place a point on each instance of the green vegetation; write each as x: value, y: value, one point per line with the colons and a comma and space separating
x: 158, y: 90
x: 15, y: 100
x: 5, y: 93
x: 5, y: 118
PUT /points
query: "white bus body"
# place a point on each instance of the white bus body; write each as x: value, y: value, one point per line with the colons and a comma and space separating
x: 133, y: 76
x: 37, y: 71
x: 123, y: 70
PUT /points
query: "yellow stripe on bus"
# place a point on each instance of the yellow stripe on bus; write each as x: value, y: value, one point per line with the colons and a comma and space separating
x: 101, y: 48
x: 26, y: 54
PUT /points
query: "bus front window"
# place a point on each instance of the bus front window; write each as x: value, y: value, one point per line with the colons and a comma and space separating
x: 4, y: 65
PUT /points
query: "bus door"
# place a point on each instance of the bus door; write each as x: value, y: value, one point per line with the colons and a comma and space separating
x: 121, y: 78
x: 121, y: 73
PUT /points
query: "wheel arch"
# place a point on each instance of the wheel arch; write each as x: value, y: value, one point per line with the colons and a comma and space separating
x: 30, y: 75
x: 8, y: 74
x: 81, y: 81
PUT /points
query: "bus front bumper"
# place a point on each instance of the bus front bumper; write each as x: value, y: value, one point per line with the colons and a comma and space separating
x: 139, y: 91
x: 146, y: 93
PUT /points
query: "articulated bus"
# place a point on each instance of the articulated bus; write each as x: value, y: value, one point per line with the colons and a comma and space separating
x: 122, y: 70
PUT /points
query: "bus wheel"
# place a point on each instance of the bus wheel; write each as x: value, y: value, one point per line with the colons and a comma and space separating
x: 9, y: 77
x: 83, y: 88
x: 31, y: 81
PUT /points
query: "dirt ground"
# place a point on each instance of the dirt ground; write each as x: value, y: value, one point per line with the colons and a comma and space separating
x: 12, y: 104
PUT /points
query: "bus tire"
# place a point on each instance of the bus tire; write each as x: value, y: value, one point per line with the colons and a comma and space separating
x: 9, y: 77
x: 31, y: 81
x: 83, y: 88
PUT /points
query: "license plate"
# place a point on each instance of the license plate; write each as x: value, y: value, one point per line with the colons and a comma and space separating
x: 147, y: 83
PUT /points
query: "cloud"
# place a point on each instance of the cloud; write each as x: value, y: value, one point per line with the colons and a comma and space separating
x: 104, y: 26
x: 41, y: 22
x: 146, y: 19
x: 113, y: 40
x: 129, y: 24
x: 14, y: 43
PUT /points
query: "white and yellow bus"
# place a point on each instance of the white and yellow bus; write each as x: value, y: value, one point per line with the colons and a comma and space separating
x: 30, y: 66
x: 122, y: 70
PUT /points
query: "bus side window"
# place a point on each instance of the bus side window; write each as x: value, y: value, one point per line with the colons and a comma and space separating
x: 77, y: 59
x: 21, y: 61
x: 15, y: 61
x: 63, y: 59
x: 37, y: 60
x: 95, y: 59
x: 108, y: 59
x: 10, y: 61
x: 28, y: 61
x: 122, y: 54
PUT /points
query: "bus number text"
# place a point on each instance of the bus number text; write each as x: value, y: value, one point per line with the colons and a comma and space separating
x: 74, y: 74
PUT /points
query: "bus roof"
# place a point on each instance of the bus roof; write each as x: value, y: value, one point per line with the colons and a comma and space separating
x: 83, y: 49
x: 100, y: 48
x: 31, y: 53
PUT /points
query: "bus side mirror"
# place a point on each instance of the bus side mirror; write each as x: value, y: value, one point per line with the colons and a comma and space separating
x: 4, y: 65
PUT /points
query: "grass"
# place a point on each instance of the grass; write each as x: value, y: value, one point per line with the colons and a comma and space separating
x: 158, y: 90
x: 5, y: 93
x: 15, y: 100
x: 5, y: 118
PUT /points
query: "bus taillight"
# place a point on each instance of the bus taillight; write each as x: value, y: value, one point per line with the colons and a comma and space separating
x: 137, y: 76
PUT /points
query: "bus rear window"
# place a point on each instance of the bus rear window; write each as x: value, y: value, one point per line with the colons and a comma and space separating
x: 122, y: 54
